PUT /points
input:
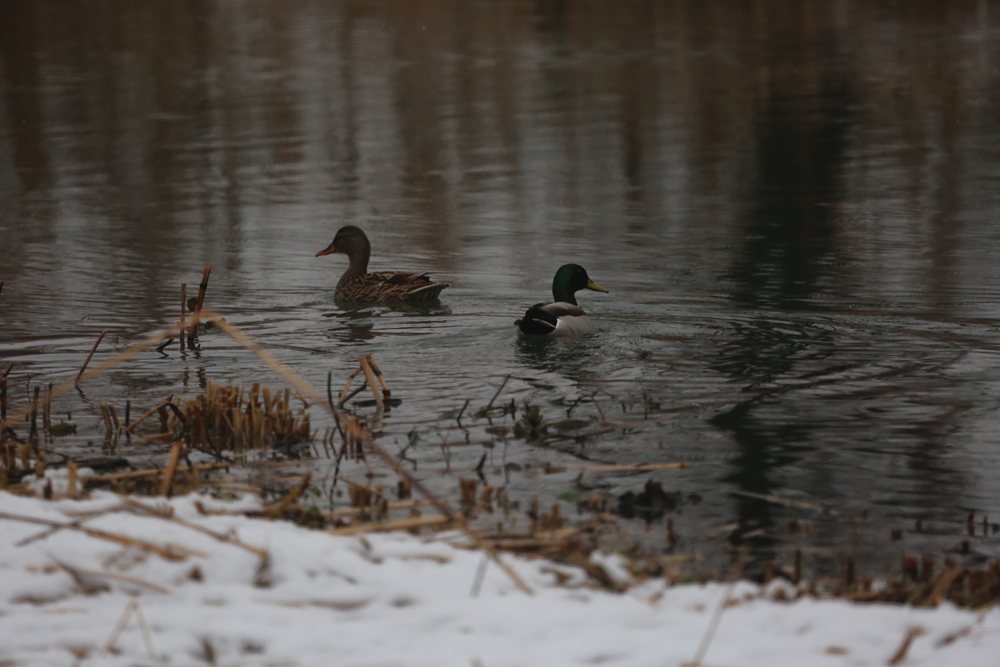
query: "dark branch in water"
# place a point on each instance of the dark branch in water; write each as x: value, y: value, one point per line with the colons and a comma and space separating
x: 502, y: 385
x: 177, y: 413
x: 329, y: 399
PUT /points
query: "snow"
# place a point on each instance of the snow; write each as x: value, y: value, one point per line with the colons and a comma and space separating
x: 400, y: 599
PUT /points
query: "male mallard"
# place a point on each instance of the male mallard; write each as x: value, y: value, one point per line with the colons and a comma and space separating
x: 358, y: 285
x: 564, y: 317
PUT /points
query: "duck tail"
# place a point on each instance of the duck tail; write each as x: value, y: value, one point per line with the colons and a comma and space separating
x: 537, y: 321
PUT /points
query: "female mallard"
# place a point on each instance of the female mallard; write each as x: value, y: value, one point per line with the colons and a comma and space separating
x: 564, y: 317
x: 358, y: 285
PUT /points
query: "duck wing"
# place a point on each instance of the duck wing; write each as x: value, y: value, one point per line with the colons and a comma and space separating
x: 554, y: 319
x: 393, y: 286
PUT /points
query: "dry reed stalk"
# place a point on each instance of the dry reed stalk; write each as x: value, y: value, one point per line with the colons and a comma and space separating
x: 81, y: 575
x: 268, y: 401
x: 357, y: 485
x: 168, y: 516
x: 132, y: 608
x: 941, y: 585
x: 467, y: 488
x: 137, y: 474
x: 106, y: 416
x: 219, y: 414
x: 196, y: 316
x: 71, y: 472
x: 34, y: 413
x: 385, y: 526
x: 3, y: 399
x: 683, y: 465
x: 370, y: 377
x: 900, y: 654
x: 180, y: 327
x: 114, y: 417
x: 47, y: 409
x: 171, y: 470
x: 169, y: 552
x: 402, y: 505
x: 343, y: 394
x: 85, y: 363
x: 528, y: 544
x: 231, y: 486
x: 365, y: 437
x: 386, y: 393
x: 292, y: 495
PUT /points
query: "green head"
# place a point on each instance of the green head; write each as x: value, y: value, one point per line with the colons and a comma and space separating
x: 570, y: 278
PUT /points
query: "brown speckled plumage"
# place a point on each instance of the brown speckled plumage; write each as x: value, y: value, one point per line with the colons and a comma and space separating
x: 358, y: 285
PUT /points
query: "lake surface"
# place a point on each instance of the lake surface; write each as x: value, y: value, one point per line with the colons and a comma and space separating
x: 795, y: 207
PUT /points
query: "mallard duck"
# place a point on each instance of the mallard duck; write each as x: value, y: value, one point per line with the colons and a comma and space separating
x: 358, y: 285
x: 563, y: 317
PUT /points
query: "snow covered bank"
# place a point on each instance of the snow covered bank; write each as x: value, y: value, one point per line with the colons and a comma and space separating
x: 395, y: 599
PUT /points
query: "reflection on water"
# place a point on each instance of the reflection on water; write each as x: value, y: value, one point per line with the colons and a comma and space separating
x: 794, y: 206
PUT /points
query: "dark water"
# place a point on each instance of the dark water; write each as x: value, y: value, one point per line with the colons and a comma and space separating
x: 795, y: 205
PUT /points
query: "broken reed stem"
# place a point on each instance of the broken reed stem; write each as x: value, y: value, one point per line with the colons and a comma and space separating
x: 364, y: 385
x: 196, y: 316
x: 146, y: 634
x: 106, y: 416
x: 171, y: 470
x: 370, y: 377
x: 114, y: 417
x: 85, y: 363
x: 167, y: 515
x: 294, y: 494
x: 80, y: 575
x: 180, y: 327
x: 170, y: 552
x: 307, y: 389
x: 161, y: 404
x: 136, y: 474
x: 683, y: 465
x: 343, y: 394
x: 133, y: 608
x: 386, y: 393
x: 3, y: 398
